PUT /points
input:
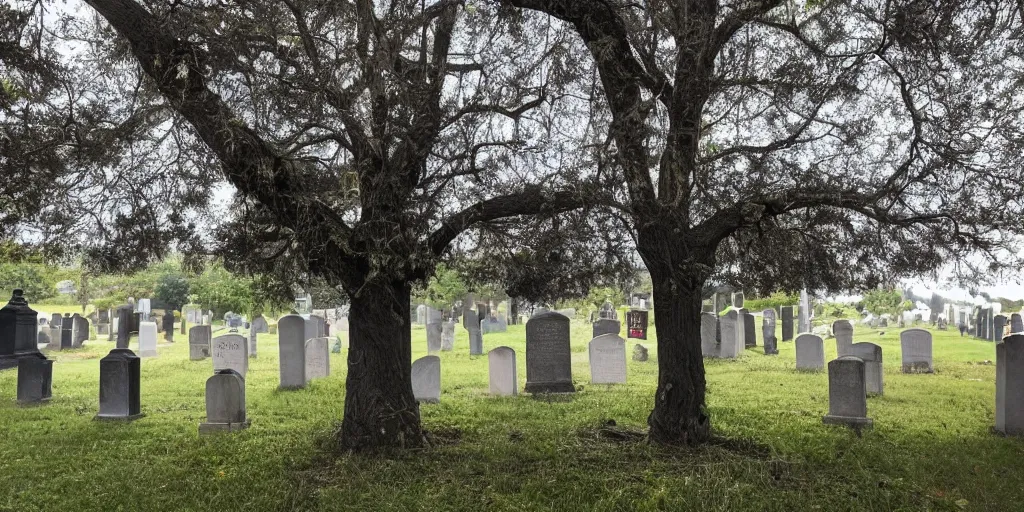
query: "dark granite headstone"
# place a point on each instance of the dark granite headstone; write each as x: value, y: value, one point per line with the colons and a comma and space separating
x: 125, y: 316
x: 35, y: 375
x: 998, y: 325
x: 636, y: 324
x: 67, y: 326
x: 548, y: 356
x: 119, y: 386
x: 18, y: 329
x: 749, y: 334
x: 1016, y: 323
x: 787, y: 323
x: 168, y: 323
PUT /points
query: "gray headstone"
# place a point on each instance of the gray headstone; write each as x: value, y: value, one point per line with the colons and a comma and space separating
x: 252, y: 340
x: 607, y: 354
x: 80, y: 328
x: 1010, y: 385
x: 494, y: 324
x: 35, y: 375
x: 259, y: 324
x: 147, y: 339
x: 448, y: 335
x: 548, y: 355
x: 119, y: 386
x: 847, y: 393
x: 225, y: 403
x: 998, y: 326
x: 1016, y: 323
x: 199, y: 340
x: 318, y: 358
x: 471, y: 322
x: 55, y: 319
x: 501, y: 368
x: 916, y: 346
x: 426, y: 379
x: 871, y: 354
x: 749, y: 329
x: 421, y: 314
x: 291, y: 330
x: 314, y: 327
x: 787, y: 323
x: 606, y: 326
x: 737, y: 299
x: 810, y: 352
x: 434, y: 330
x: 732, y: 341
x: 709, y: 334
x: 843, y: 331
x: 639, y: 353
x: 804, y: 313
x: 43, y: 337
x: 771, y: 343
x: 230, y: 352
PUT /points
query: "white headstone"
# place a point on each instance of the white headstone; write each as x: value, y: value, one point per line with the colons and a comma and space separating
x: 607, y: 359
x: 810, y: 352
x: 291, y: 331
x: 318, y: 358
x: 916, y: 345
x: 230, y: 352
x: 501, y: 366
x: 426, y: 379
x: 147, y: 339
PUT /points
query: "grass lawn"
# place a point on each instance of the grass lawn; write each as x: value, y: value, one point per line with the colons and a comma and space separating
x: 930, y: 449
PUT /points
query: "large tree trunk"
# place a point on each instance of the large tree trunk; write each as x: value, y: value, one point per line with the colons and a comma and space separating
x: 678, y: 416
x: 380, y: 411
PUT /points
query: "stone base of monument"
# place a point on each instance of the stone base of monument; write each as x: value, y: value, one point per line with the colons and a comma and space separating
x: 550, y: 387
x: 214, y: 428
x: 132, y: 417
x: 848, y: 421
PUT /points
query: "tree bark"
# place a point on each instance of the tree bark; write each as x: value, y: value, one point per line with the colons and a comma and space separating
x: 380, y: 410
x: 678, y: 274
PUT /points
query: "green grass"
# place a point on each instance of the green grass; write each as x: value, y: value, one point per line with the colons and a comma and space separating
x: 931, y: 447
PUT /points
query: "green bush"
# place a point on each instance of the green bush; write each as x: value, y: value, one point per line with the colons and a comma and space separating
x: 773, y: 301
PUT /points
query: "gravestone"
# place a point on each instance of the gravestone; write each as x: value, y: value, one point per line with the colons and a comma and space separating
x: 144, y: 308
x: 998, y: 326
x: 737, y: 300
x: 292, y: 345
x: 225, y: 403
x: 1016, y: 323
x: 136, y: 322
x: 749, y: 331
x: 55, y: 320
x: 199, y: 339
x: 605, y: 326
x: 1010, y: 386
x: 871, y: 354
x: 43, y: 337
x: 709, y: 334
x: 916, y: 346
x: 35, y: 376
x: 123, y: 324
x: 771, y: 343
x: 168, y: 321
x: 259, y: 324
x: 548, y: 355
x: 80, y: 330
x: 252, y: 340
x: 230, y: 352
x: 843, y: 331
x: 67, y: 329
x: 607, y: 311
x: 434, y: 337
x: 639, y: 353
x: 18, y: 331
x: 471, y: 322
x: 787, y: 323
x: 318, y: 358
x: 732, y: 339
x: 847, y: 393
x: 313, y: 328
x: 147, y: 339
x: 501, y: 369
x: 636, y: 324
x: 810, y: 352
x: 421, y: 314
x: 54, y: 338
x: 607, y: 354
x: 426, y: 379
x: 119, y: 386
x: 804, y: 313
x: 448, y: 336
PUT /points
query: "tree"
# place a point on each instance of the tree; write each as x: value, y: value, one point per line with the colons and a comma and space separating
x: 360, y: 139
x: 837, y: 146
x: 884, y: 301
x: 172, y: 290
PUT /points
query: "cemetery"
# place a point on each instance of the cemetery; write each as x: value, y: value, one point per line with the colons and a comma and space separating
x: 553, y: 255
